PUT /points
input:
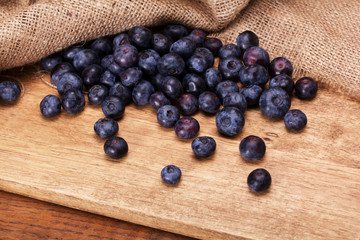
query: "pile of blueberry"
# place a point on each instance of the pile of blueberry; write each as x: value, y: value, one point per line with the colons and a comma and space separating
x: 174, y: 72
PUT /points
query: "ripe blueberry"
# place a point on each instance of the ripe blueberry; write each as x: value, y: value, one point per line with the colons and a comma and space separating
x: 116, y: 147
x: 187, y: 127
x: 306, y: 88
x: 171, y: 174
x: 50, y: 106
x: 259, y: 180
x: 252, y: 148
x: 229, y: 121
x: 203, y: 146
x: 295, y: 120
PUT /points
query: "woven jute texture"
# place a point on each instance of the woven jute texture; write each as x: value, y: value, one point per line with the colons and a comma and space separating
x: 321, y: 38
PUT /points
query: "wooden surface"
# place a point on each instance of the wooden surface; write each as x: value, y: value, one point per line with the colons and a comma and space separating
x: 315, y: 190
x: 27, y: 218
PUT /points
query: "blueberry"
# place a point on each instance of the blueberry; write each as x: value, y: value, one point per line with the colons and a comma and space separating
x: 175, y: 32
x: 224, y: 88
x: 49, y: 62
x: 172, y: 87
x: 252, y: 148
x: 212, y: 77
x: 91, y: 75
x: 102, y: 46
x: 171, y: 174
x: 161, y: 43
x: 209, y: 102
x: 256, y: 55
x: 157, y: 80
x: 197, y: 64
x: 230, y: 68
x: 230, y: 121
x: 148, y: 61
x: 187, y: 104
x: 116, y: 147
x: 187, y: 127
x: 274, y: 102
x: 120, y: 39
x: 235, y: 99
x: 306, y: 88
x: 106, y: 127
x: 295, y: 120
x: 198, y: 37
x: 140, y: 36
x: 126, y: 55
x: 69, y: 52
x: 252, y: 94
x: 193, y: 84
x: 50, y: 106
x: 259, y: 180
x: 85, y: 58
x: 213, y: 44
x: 113, y: 107
x: 167, y: 116
x: 73, y: 101
x: 131, y: 76
x: 142, y: 92
x: 158, y: 99
x: 69, y: 81
x: 280, y: 65
x: 203, y: 146
x: 109, y: 63
x: 120, y: 91
x: 97, y: 94
x: 184, y: 47
x: 283, y: 81
x: 108, y: 78
x: 205, y: 53
x: 171, y: 64
x: 229, y: 50
x: 60, y: 69
x: 253, y: 75
x: 247, y: 39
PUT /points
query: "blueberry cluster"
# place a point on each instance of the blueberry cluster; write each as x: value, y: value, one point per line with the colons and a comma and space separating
x: 174, y: 72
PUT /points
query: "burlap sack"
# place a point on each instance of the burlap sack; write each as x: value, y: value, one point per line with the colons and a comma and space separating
x: 321, y: 38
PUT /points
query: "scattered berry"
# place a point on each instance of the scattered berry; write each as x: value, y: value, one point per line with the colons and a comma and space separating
x: 50, y: 106
x: 187, y: 127
x: 171, y: 174
x: 167, y: 116
x: 116, y: 147
x: 306, y: 88
x: 252, y: 148
x: 9, y: 92
x: 295, y: 120
x: 259, y: 180
x: 274, y: 102
x: 203, y: 146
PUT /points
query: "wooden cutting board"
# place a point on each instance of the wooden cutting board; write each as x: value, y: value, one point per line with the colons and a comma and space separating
x: 315, y: 192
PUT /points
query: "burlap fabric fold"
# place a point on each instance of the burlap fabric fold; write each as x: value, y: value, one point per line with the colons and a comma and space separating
x: 321, y: 38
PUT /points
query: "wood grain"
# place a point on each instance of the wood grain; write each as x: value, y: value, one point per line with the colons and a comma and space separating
x: 316, y: 173
x: 27, y: 218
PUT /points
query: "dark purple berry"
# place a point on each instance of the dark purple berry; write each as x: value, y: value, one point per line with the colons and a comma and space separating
x: 120, y: 39
x: 109, y: 63
x: 230, y: 68
x: 175, y: 32
x: 256, y: 55
x: 252, y: 148
x: 167, y: 116
x: 91, y: 75
x: 274, y: 102
x: 187, y: 127
x: 230, y: 121
x: 69, y: 53
x: 131, y: 76
x: 157, y: 80
x: 187, y: 104
x: 97, y: 94
x: 247, y: 39
x: 212, y: 78
x: 224, y: 88
x: 283, y: 81
x: 158, y: 99
x: 253, y: 75
x: 280, y: 65
x: 113, y: 107
x: 259, y: 180
x: 203, y: 146
x: 50, y: 106
x: 306, y: 88
x: 229, y: 50
x: 193, y: 84
x: 73, y: 101
x: 209, y: 102
x: 120, y: 91
x: 213, y: 44
x: 60, y: 69
x: 148, y: 61
x: 69, y: 81
x: 160, y: 43
x: 172, y: 87
x: 85, y: 58
x: 184, y: 47
x: 102, y: 46
x: 116, y: 147
x: 295, y: 120
x: 49, y: 62
x: 252, y: 94
x: 126, y: 56
x: 171, y: 64
x: 142, y: 92
x: 108, y: 78
x: 106, y: 127
x: 235, y: 99
x: 140, y: 36
x: 171, y: 174
x: 198, y: 36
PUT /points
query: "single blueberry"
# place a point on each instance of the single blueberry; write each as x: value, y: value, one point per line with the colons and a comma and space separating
x: 274, y: 102
x: 106, y: 127
x: 203, y: 146
x: 230, y: 50
x: 69, y: 52
x: 102, y: 46
x: 280, y: 65
x: 116, y: 147
x: 69, y: 81
x: 171, y: 174
x: 171, y: 87
x: 230, y: 68
x: 213, y: 44
x: 205, y: 53
x: 160, y: 43
x: 230, y: 121
x: 113, y: 107
x: 73, y: 101
x: 197, y: 64
x: 209, y: 102
x: 256, y: 55
x: 120, y: 91
x: 142, y: 92
x: 108, y: 62
x: 187, y: 127
x: 108, y: 78
x: 253, y: 75
x: 60, y: 69
x: 259, y: 180
x: 252, y: 148
x: 295, y: 120
x: 49, y: 62
x: 252, y: 94
x: 148, y: 60
x: 184, y: 47
x: 198, y: 36
x: 167, y: 116
x: 187, y: 104
x: 193, y: 84
x: 171, y: 64
x: 126, y: 55
x: 247, y: 39
x: 120, y: 39
x: 140, y: 36
x: 224, y: 88
x: 175, y: 32
x: 50, y: 106
x: 306, y: 88
x: 212, y: 77
x: 85, y: 58
x: 97, y: 94
x: 131, y: 76
x: 157, y: 80
x: 91, y: 75
x: 235, y: 99
x: 283, y: 81
x: 158, y: 99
